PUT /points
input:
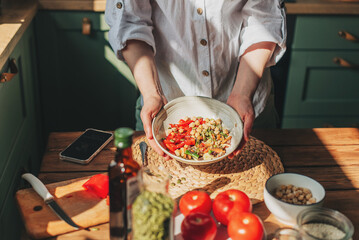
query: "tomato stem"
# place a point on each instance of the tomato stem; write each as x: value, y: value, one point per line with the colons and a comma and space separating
x: 198, y: 220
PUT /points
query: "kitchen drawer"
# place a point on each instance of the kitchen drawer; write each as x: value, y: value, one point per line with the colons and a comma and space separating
x: 317, y: 86
x: 322, y: 32
x: 73, y: 20
x: 12, y: 112
x: 320, y: 122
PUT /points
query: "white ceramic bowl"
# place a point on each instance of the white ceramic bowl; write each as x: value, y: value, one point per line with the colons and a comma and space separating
x: 204, y: 107
x: 287, y: 212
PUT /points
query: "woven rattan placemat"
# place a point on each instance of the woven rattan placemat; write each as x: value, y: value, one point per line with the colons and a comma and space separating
x: 247, y: 172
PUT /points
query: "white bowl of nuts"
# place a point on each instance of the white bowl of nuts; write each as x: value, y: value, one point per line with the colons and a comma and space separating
x: 287, y: 194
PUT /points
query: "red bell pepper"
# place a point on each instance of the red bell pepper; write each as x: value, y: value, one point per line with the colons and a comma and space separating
x: 184, y: 123
x: 171, y: 147
x: 98, y: 184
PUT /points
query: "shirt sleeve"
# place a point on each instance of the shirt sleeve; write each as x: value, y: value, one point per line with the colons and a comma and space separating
x: 129, y: 20
x: 264, y: 21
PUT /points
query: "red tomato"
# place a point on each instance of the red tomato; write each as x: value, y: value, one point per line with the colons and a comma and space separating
x: 245, y: 226
x: 198, y: 226
x: 195, y: 201
x: 190, y: 141
x: 97, y: 184
x: 228, y: 200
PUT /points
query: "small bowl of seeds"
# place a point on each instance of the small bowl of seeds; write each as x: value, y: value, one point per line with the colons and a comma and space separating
x: 287, y: 194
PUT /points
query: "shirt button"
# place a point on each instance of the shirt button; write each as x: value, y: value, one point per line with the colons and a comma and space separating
x: 203, y: 42
x: 205, y: 73
x: 199, y: 11
x: 119, y: 5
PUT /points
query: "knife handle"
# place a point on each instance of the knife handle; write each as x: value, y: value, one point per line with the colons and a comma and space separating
x: 38, y: 186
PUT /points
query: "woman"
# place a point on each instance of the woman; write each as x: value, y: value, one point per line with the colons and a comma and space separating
x: 220, y: 49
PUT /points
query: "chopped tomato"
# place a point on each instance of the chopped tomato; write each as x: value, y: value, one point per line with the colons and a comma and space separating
x: 181, y: 144
x: 190, y: 141
x: 184, y: 123
x: 171, y: 146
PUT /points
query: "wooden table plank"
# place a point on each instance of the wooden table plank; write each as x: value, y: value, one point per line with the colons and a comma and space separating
x: 52, y: 163
x: 47, y: 178
x: 60, y: 140
x: 308, y: 137
x: 57, y: 141
x: 292, y: 156
x: 272, y: 137
x: 344, y: 177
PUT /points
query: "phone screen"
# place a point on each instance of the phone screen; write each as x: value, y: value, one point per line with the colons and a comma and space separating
x: 86, y: 145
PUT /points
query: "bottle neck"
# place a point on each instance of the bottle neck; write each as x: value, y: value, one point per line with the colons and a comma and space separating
x: 123, y: 154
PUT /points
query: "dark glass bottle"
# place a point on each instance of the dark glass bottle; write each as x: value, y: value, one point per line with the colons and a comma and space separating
x: 123, y: 185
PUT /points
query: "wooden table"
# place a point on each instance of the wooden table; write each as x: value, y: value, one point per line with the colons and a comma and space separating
x: 329, y: 155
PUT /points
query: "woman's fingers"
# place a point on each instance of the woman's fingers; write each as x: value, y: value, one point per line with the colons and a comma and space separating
x: 152, y: 142
x: 148, y: 112
x: 238, y: 150
x: 156, y: 147
x: 247, y: 125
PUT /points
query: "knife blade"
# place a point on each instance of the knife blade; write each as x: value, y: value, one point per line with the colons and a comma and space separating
x: 41, y: 189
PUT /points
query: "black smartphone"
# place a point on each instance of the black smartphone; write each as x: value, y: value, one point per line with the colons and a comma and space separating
x: 86, y: 146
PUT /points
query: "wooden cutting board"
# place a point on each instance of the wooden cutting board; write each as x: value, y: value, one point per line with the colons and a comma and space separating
x: 84, y: 207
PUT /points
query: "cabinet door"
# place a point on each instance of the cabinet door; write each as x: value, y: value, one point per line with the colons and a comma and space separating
x: 83, y: 84
x: 12, y: 113
x: 326, y: 32
x: 317, y: 87
x: 20, y: 132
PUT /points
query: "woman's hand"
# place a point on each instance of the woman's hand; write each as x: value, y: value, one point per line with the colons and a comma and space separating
x: 243, y: 105
x: 152, y: 105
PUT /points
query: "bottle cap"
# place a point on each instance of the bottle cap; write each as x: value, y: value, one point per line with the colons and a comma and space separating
x: 123, y: 137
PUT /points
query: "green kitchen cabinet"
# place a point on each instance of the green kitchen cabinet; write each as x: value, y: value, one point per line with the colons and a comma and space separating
x: 323, y: 78
x: 83, y: 84
x: 21, y: 139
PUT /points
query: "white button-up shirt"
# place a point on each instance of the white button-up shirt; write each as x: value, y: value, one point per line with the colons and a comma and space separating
x: 198, y: 43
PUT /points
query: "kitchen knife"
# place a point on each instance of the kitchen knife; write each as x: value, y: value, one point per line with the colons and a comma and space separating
x: 40, y: 188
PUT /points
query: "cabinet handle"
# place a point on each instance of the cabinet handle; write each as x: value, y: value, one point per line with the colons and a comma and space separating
x: 348, y: 36
x: 344, y: 63
x: 13, y: 70
x: 86, y: 26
